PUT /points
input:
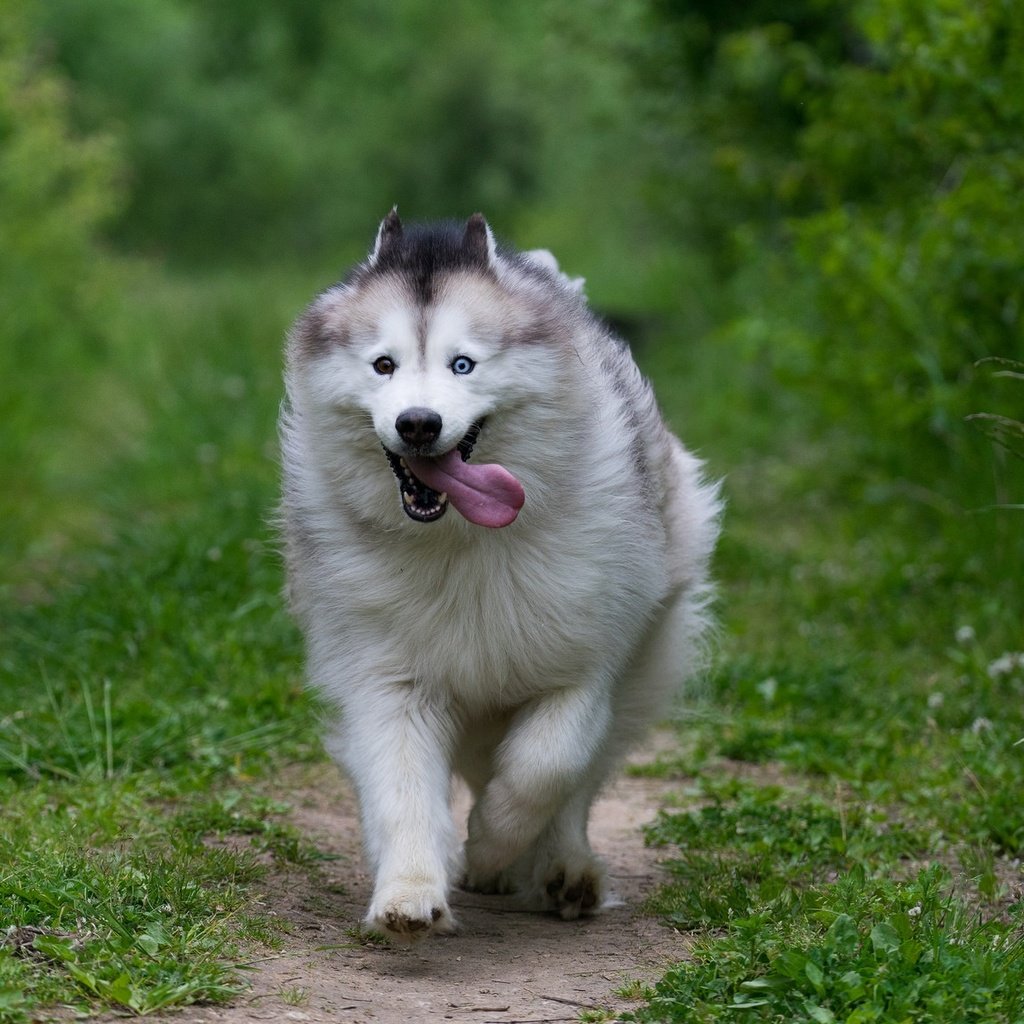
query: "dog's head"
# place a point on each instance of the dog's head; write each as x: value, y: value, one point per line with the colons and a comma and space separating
x: 437, y: 342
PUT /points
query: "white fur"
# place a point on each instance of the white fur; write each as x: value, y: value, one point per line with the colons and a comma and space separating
x: 546, y: 259
x: 527, y: 659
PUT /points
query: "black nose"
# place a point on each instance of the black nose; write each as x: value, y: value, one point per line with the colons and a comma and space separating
x: 418, y: 427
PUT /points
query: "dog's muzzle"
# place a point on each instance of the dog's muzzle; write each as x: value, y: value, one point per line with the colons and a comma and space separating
x: 417, y: 428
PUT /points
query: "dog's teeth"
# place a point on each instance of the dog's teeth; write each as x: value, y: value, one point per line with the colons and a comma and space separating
x: 443, y: 500
x: 407, y: 498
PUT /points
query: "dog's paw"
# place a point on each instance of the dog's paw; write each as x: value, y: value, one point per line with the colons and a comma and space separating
x: 574, y: 887
x: 489, y: 882
x: 407, y: 912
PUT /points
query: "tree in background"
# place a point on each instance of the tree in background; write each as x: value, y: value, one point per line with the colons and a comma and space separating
x: 858, y: 171
x: 256, y: 131
x: 58, y: 189
x: 823, y: 192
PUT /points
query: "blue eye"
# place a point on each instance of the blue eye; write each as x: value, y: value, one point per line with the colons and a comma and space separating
x: 462, y: 364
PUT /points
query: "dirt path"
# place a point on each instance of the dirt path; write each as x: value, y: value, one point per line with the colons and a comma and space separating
x: 504, y: 965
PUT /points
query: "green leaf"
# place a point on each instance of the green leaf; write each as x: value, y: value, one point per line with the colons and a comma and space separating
x: 851, y: 984
x: 842, y: 935
x: 119, y: 990
x: 758, y: 984
x: 815, y: 975
x: 54, y: 948
x: 863, y: 1015
x: 153, y: 938
x: 885, y: 938
x: 790, y: 964
x: 12, y: 999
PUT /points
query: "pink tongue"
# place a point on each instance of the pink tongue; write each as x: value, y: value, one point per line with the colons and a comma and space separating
x: 488, y: 495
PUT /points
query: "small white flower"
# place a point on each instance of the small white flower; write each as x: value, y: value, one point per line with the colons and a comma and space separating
x: 1005, y: 664
x: 965, y: 635
x: 914, y: 911
x: 980, y: 725
x: 935, y: 700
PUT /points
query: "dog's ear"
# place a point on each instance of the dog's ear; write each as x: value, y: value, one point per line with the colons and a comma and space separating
x: 478, y: 241
x: 389, y: 234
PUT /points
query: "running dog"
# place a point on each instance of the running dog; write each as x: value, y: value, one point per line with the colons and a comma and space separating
x: 498, y: 554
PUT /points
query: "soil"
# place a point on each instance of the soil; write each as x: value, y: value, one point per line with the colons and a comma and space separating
x: 504, y: 965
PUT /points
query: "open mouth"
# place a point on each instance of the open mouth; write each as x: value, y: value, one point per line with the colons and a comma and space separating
x: 420, y: 502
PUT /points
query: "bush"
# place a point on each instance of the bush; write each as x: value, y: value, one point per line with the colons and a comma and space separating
x: 57, y: 189
x: 859, y: 166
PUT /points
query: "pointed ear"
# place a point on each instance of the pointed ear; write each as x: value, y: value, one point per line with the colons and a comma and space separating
x: 388, y: 234
x: 478, y: 240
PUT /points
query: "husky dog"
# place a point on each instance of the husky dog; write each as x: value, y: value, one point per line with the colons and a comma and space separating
x: 499, y: 557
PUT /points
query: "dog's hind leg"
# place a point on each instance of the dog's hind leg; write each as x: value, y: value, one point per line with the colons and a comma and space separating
x: 542, y: 768
x: 561, y: 872
x: 396, y: 748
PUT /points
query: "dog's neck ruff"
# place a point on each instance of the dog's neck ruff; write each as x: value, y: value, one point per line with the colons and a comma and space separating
x: 484, y: 494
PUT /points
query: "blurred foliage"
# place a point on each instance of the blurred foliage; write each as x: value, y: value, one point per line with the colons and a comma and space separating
x: 804, y: 209
x: 252, y: 128
x: 854, y: 169
x: 58, y: 188
x: 248, y: 125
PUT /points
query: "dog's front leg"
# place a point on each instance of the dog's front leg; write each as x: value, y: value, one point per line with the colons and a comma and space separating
x: 547, y: 759
x: 396, y: 748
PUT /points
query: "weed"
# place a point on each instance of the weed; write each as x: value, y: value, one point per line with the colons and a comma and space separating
x: 294, y: 996
x: 635, y: 989
x: 854, y: 950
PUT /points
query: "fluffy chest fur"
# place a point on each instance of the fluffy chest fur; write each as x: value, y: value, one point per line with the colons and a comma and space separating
x: 490, y: 619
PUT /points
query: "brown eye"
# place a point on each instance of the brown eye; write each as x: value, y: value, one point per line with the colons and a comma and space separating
x: 385, y: 366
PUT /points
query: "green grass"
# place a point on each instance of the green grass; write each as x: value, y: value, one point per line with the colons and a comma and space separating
x: 149, y: 676
x: 856, y: 761
x: 855, y: 950
x: 855, y: 852
x: 126, y: 892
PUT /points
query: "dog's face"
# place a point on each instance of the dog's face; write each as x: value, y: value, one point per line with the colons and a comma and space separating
x: 424, y: 374
x: 433, y: 342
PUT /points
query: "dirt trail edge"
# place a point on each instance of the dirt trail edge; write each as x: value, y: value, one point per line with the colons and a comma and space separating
x: 504, y: 965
